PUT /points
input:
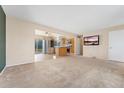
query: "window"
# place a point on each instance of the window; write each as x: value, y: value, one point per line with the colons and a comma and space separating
x: 38, y: 46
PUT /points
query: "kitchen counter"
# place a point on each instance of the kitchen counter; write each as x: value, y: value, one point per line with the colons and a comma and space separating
x: 59, y: 46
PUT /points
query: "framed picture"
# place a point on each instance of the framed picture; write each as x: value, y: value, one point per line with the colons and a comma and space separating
x: 91, y: 40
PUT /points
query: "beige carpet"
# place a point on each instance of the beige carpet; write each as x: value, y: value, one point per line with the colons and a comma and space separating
x: 65, y: 72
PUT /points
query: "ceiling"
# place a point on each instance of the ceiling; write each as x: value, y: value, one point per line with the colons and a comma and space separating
x: 75, y: 19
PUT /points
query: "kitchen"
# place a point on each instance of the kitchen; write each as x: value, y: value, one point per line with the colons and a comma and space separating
x: 50, y: 45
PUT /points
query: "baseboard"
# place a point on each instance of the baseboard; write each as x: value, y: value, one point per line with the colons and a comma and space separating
x: 2, y: 70
x: 11, y: 66
x: 19, y: 64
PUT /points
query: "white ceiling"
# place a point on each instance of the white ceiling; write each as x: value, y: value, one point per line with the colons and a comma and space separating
x: 75, y: 19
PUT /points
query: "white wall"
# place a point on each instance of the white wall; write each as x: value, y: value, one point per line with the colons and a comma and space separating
x: 20, y: 42
x: 20, y: 47
x: 100, y: 51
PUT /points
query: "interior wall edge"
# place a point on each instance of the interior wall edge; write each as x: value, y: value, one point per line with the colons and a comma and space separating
x: 3, y: 70
x: 2, y: 39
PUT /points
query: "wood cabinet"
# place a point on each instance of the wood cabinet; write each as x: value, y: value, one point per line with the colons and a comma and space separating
x: 61, y: 51
x: 72, y: 47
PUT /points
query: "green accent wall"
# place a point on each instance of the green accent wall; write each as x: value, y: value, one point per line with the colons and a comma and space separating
x: 2, y: 39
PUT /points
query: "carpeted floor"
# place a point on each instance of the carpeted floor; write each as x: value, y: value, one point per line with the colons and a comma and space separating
x: 65, y: 72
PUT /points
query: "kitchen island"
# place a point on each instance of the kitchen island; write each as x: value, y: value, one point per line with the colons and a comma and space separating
x: 61, y: 50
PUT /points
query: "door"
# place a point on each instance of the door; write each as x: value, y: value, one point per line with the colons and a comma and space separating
x: 77, y: 46
x: 116, y: 45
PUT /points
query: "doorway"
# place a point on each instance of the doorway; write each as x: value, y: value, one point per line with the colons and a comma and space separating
x: 116, y: 45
